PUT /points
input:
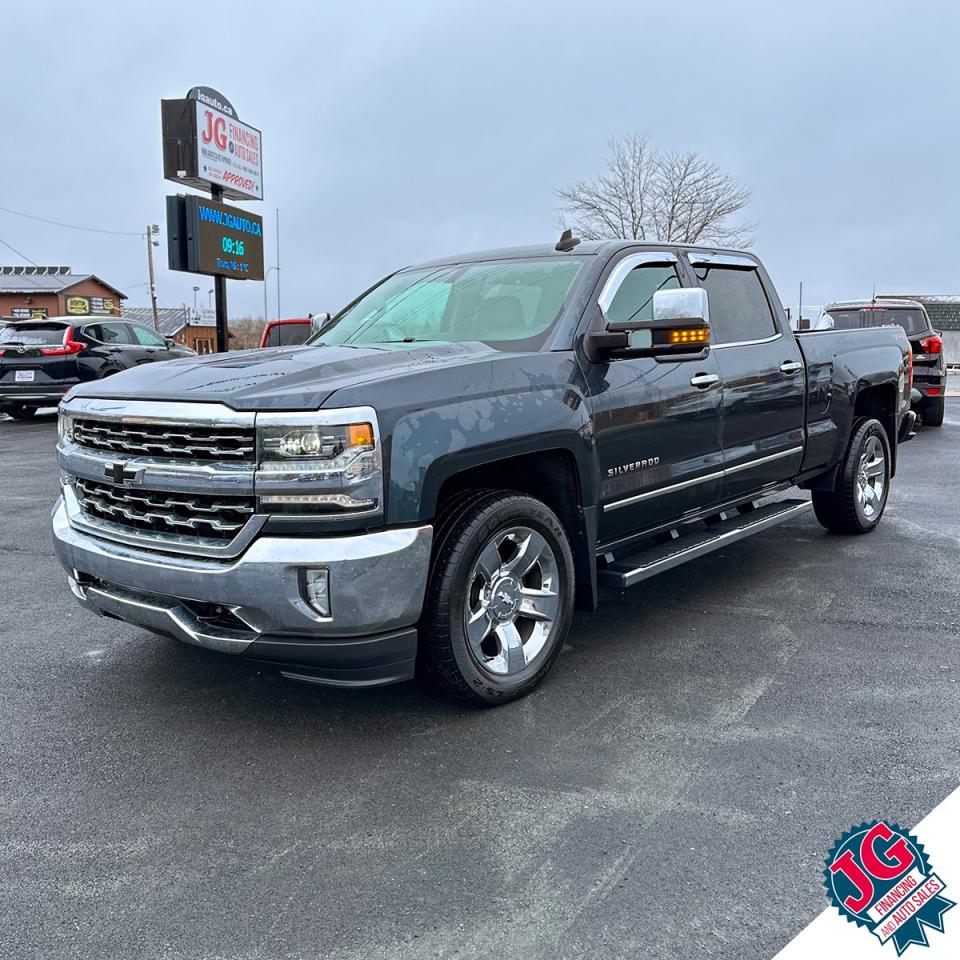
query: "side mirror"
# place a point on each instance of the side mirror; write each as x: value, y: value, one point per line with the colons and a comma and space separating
x: 170, y: 343
x: 680, y: 327
x: 318, y: 321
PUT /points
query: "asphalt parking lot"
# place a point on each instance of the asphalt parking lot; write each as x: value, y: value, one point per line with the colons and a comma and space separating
x: 672, y: 789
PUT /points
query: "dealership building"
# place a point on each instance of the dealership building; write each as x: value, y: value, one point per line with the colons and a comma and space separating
x: 30, y: 292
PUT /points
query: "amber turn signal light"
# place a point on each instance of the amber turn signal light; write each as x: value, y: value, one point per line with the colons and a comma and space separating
x: 690, y: 335
x: 360, y: 435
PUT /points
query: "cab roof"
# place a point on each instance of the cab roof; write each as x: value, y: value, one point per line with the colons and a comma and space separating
x: 586, y: 248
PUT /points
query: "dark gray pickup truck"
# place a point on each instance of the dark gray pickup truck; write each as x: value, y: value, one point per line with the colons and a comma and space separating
x: 465, y: 454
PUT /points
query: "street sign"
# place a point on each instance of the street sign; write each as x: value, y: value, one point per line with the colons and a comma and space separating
x: 214, y: 239
x: 205, y: 145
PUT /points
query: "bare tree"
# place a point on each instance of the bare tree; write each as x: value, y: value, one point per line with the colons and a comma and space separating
x: 245, y: 332
x: 648, y: 195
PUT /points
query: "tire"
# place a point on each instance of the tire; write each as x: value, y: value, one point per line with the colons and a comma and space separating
x: 108, y: 372
x: 851, y: 507
x: 20, y: 412
x: 474, y: 575
x: 931, y: 413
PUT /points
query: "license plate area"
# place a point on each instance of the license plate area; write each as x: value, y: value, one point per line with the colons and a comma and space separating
x: 24, y: 376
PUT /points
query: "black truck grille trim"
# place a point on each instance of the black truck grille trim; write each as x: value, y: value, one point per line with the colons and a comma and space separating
x: 210, y: 516
x: 176, y: 441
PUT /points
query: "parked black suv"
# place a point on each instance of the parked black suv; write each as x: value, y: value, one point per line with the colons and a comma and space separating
x: 40, y: 360
x: 929, y: 365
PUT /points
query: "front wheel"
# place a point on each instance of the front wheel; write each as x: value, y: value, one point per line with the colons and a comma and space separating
x: 500, y: 598
x: 859, y: 497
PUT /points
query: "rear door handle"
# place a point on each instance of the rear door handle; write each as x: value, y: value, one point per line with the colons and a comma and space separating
x: 790, y: 367
x: 703, y: 380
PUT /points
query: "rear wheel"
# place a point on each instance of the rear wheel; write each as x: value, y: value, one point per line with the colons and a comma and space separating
x: 932, y: 412
x: 500, y: 597
x: 857, y: 501
x: 20, y: 412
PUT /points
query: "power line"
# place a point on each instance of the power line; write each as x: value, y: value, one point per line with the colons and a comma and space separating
x: 71, y: 226
x: 23, y: 256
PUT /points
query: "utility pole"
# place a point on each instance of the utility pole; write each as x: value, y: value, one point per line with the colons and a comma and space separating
x: 279, y: 314
x: 152, y: 231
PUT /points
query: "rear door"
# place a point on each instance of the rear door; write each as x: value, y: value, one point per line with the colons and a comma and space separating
x: 762, y: 369
x: 125, y: 346
x: 656, y: 422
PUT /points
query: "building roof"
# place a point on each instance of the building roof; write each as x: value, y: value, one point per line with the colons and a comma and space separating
x: 46, y: 280
x: 171, y: 319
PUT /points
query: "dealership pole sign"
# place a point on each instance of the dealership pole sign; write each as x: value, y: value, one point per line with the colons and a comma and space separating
x: 205, y: 145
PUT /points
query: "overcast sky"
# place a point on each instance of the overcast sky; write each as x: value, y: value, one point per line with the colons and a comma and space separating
x: 395, y: 133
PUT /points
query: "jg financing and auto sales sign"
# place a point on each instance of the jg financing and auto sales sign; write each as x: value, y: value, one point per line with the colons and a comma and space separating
x: 228, y: 152
x: 206, y: 145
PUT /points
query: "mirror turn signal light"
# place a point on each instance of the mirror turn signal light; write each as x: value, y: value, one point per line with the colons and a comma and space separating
x: 689, y: 335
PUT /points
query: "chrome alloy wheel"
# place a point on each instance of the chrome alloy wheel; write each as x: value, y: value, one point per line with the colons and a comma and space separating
x: 512, y: 600
x: 871, y: 478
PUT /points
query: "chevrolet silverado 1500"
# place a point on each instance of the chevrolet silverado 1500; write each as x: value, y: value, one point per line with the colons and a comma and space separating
x: 465, y: 454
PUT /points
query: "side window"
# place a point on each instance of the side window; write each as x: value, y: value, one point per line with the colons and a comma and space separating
x: 94, y: 332
x: 115, y: 333
x: 739, y: 309
x: 634, y: 299
x: 273, y: 337
x: 147, y: 338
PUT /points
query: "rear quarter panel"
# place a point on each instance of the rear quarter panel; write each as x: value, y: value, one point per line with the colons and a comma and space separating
x: 841, y: 364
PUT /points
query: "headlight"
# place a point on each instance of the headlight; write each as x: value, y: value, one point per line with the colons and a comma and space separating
x: 323, y: 462
x: 65, y: 428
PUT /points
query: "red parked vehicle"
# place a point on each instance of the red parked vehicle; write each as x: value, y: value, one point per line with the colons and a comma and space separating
x: 286, y: 333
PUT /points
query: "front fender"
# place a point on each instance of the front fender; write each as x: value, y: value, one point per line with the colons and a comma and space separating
x: 429, y: 446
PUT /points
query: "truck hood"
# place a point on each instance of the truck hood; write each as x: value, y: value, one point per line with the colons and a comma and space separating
x: 282, y: 378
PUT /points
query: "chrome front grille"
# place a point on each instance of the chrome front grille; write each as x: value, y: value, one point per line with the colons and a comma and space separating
x: 172, y: 440
x: 209, y: 516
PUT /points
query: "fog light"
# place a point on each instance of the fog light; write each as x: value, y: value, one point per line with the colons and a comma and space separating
x: 316, y: 590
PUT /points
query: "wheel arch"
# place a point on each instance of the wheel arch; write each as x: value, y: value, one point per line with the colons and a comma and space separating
x: 551, y: 476
x: 879, y: 402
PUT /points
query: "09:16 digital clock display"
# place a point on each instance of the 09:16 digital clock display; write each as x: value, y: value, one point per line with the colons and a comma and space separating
x: 230, y: 245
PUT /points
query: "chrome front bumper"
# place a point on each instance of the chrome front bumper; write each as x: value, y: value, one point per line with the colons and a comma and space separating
x: 377, y: 585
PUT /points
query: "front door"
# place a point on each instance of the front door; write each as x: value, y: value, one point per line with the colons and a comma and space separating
x: 656, y: 423
x: 764, y: 386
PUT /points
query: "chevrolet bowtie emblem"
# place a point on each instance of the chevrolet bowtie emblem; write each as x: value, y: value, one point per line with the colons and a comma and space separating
x: 121, y: 474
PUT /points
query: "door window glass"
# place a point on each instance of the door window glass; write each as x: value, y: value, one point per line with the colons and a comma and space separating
x: 634, y: 298
x: 739, y: 309
x: 115, y: 333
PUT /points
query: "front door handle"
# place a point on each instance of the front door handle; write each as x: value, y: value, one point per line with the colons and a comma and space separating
x: 790, y: 367
x: 703, y: 380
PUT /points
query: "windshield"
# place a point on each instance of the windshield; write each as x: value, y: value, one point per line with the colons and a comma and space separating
x: 912, y: 321
x: 32, y: 333
x: 509, y: 302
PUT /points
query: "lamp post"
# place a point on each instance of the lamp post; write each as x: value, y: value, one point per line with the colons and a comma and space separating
x: 266, y: 318
x: 209, y: 295
x: 196, y: 290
